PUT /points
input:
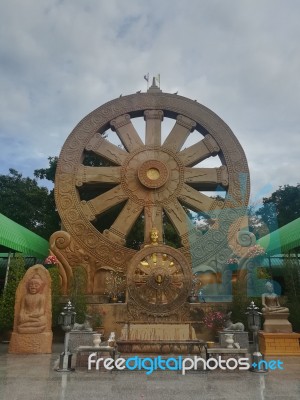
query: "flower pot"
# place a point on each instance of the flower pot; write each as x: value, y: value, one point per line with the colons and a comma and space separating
x: 97, y: 339
x: 232, y: 267
x: 229, y: 340
x: 210, y: 344
x: 114, y: 299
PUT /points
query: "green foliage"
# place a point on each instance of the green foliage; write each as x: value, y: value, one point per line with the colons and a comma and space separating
x: 282, y: 207
x: 23, y: 201
x: 240, y: 302
x: 292, y: 279
x: 77, y: 293
x: 7, y: 301
x: 55, y: 293
x: 47, y: 173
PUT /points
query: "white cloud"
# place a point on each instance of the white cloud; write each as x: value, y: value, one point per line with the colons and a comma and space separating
x: 60, y: 60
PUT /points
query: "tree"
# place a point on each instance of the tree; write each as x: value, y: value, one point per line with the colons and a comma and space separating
x: 282, y: 207
x: 47, y: 173
x: 23, y: 201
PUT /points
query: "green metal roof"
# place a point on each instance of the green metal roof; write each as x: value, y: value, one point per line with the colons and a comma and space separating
x: 283, y: 239
x: 18, y: 238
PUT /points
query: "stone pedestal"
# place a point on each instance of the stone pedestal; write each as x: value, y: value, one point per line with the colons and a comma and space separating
x: 277, y: 323
x: 227, y: 354
x: 239, y: 337
x: 80, y: 338
x: 279, y: 344
x: 83, y: 353
x: 27, y: 343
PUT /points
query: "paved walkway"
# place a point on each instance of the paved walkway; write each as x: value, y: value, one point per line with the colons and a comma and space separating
x: 32, y: 377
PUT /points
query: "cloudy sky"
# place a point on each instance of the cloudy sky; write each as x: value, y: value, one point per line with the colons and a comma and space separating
x: 240, y: 58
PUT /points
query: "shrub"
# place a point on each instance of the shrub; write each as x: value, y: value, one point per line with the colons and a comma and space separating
x: 7, y: 303
x: 77, y: 293
x: 292, y: 278
x: 55, y: 293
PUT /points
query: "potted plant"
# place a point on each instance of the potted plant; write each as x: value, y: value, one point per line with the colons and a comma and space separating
x: 97, y: 320
x: 232, y: 263
x: 214, y: 320
x: 50, y: 261
x: 121, y: 297
x: 115, y: 285
x: 256, y: 251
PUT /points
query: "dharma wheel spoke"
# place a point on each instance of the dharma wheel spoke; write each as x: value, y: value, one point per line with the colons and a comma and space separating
x: 206, y: 178
x: 199, y: 151
x: 176, y: 289
x: 153, y: 120
x: 126, y: 132
x: 197, y: 201
x: 169, y: 292
x: 98, y: 175
x: 178, y: 135
x: 105, y: 149
x: 124, y: 222
x: 102, y: 203
x: 179, y: 218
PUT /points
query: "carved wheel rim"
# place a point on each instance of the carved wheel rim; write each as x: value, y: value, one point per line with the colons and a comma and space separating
x: 158, y: 279
x: 151, y: 177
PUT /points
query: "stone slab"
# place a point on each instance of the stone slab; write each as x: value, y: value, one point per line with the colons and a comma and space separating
x: 227, y: 354
x: 220, y: 350
x: 29, y: 343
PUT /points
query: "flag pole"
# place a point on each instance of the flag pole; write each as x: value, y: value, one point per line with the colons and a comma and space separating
x: 146, y: 77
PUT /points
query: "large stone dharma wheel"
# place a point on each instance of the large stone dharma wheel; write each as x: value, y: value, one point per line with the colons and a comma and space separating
x: 100, y: 180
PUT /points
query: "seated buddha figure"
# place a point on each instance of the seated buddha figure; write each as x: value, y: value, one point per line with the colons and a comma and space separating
x: 153, y: 242
x: 32, y: 317
x: 270, y: 301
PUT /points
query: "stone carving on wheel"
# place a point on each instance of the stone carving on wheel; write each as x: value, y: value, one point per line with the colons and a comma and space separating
x: 159, y: 169
x: 159, y: 279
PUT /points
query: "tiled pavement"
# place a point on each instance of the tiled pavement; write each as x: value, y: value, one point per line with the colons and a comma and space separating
x: 32, y: 377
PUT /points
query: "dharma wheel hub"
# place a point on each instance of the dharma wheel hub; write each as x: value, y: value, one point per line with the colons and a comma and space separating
x: 153, y: 174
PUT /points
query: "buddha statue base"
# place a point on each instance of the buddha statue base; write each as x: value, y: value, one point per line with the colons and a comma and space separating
x: 279, y: 344
x: 30, y: 343
x: 277, y: 323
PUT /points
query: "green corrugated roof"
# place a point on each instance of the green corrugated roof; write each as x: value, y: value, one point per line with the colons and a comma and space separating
x: 283, y: 239
x: 18, y: 238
